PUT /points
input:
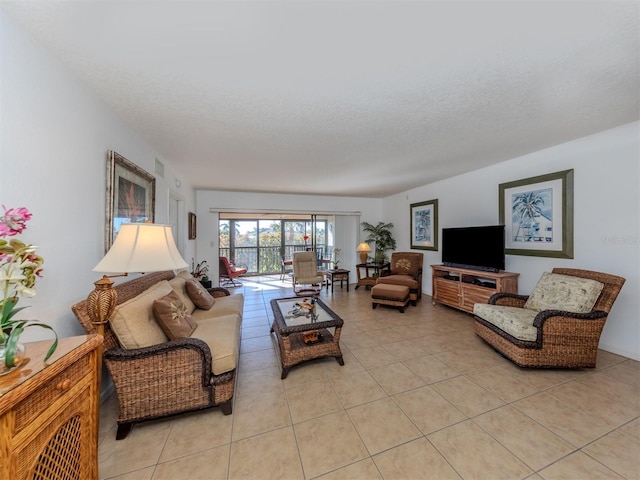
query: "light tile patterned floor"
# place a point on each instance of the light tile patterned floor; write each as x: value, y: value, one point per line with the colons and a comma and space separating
x: 419, y: 396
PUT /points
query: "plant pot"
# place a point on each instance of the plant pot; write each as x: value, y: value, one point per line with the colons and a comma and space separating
x: 205, y: 283
x: 18, y: 358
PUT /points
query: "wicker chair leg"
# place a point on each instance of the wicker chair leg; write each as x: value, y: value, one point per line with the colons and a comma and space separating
x: 226, y: 407
x: 123, y: 430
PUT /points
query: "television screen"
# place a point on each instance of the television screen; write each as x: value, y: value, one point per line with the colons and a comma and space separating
x: 477, y: 248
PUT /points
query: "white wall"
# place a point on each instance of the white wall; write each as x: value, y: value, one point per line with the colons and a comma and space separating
x: 210, y: 202
x: 55, y: 134
x: 606, y: 217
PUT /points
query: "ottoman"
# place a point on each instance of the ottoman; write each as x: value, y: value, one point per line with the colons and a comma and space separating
x: 389, y: 294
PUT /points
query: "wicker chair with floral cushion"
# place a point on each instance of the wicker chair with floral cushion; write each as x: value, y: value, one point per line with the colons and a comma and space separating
x: 405, y: 269
x: 557, y: 326
x: 307, y: 279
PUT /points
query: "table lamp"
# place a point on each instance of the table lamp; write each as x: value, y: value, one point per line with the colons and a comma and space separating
x: 364, y: 250
x: 138, y: 248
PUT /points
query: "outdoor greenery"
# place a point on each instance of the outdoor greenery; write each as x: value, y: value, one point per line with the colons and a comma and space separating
x: 260, y: 244
x: 382, y: 237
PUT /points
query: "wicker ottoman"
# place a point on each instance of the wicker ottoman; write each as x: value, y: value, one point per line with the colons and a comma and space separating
x: 389, y: 294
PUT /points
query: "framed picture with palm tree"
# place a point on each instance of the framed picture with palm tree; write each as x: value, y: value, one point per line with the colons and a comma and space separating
x: 537, y: 213
x: 131, y: 196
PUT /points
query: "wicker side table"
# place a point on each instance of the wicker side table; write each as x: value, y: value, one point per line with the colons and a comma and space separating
x: 290, y: 329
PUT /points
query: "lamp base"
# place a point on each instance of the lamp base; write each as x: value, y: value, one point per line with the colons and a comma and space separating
x: 363, y: 257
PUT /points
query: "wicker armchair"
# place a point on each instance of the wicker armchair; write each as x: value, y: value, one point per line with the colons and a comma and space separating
x: 563, y: 339
x: 405, y: 269
x: 164, y: 379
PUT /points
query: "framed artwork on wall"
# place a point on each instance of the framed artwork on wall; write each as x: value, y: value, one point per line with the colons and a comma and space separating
x: 131, y: 196
x: 192, y: 226
x: 538, y: 215
x: 424, y: 225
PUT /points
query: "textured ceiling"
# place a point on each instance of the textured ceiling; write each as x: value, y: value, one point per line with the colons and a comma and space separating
x: 347, y: 97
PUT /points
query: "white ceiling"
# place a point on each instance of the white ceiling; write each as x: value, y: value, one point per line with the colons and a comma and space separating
x: 363, y: 98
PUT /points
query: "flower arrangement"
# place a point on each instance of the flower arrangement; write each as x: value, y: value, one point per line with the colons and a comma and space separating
x: 20, y: 267
x: 336, y: 262
x: 200, y: 271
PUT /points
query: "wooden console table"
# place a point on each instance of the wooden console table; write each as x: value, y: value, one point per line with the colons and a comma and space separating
x: 49, y: 412
x: 462, y: 288
x: 370, y: 279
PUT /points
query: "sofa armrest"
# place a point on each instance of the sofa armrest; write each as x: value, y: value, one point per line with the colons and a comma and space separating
x: 558, y: 316
x: 508, y: 299
x: 173, y: 359
x: 218, y: 292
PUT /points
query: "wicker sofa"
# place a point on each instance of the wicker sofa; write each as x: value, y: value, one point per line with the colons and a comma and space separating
x: 557, y: 326
x: 156, y: 377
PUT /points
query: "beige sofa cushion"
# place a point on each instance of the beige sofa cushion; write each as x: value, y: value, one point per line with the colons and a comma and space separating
x: 222, y: 335
x: 178, y: 284
x: 172, y: 316
x: 517, y: 322
x: 229, y: 305
x: 198, y: 294
x: 564, y: 292
x: 405, y: 280
x: 133, y: 321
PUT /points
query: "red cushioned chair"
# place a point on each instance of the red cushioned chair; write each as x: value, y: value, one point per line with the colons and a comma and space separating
x: 229, y: 272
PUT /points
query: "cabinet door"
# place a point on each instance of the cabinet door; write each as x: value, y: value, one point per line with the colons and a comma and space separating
x: 447, y: 292
x: 472, y: 294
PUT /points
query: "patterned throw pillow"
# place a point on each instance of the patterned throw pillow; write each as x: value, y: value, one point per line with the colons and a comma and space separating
x: 172, y: 316
x: 198, y: 294
x: 564, y: 292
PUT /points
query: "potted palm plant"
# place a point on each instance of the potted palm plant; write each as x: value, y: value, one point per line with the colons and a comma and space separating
x: 382, y: 237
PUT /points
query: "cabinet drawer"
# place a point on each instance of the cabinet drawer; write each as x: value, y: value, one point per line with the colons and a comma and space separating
x: 37, y: 402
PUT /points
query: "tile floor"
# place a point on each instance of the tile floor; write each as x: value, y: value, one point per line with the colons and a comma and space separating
x: 419, y: 396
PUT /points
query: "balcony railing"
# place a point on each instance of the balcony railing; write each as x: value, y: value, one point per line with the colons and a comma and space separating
x: 261, y: 260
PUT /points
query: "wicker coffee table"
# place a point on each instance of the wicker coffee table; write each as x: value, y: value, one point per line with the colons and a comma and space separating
x: 292, y: 323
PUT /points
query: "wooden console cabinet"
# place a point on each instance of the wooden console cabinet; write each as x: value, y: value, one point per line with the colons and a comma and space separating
x: 49, y: 413
x: 462, y: 288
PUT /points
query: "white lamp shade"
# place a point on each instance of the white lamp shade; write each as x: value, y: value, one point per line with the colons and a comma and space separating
x: 142, y: 247
x: 363, y: 247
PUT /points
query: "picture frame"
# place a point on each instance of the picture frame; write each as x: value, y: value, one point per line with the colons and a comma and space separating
x: 537, y: 213
x: 424, y: 225
x: 131, y: 196
x: 192, y: 226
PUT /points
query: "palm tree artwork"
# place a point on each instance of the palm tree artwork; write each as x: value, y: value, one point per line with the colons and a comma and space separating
x: 528, y: 209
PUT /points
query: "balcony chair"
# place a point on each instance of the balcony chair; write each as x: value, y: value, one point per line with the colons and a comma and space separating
x: 307, y: 280
x: 557, y: 326
x: 405, y: 269
x: 229, y: 272
x: 286, y: 267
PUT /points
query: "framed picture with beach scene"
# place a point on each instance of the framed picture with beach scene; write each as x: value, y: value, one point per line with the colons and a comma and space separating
x: 537, y: 213
x: 131, y: 196
x: 424, y: 225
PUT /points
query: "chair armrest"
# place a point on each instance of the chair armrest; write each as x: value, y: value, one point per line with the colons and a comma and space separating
x: 418, y: 274
x: 172, y: 359
x: 218, y: 292
x: 546, y: 316
x: 508, y: 299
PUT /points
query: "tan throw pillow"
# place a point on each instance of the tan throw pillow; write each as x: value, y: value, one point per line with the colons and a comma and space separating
x: 178, y: 285
x: 172, y: 316
x: 133, y: 321
x: 199, y: 295
x: 564, y: 292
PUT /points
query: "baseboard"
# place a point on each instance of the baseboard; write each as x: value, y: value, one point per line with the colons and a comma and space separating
x: 629, y: 354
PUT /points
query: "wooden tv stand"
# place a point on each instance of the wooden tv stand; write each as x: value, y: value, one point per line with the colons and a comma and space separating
x: 462, y: 288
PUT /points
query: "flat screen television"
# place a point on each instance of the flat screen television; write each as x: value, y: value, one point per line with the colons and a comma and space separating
x: 476, y: 248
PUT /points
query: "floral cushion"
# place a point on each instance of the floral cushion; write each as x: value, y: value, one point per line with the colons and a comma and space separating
x: 198, y: 294
x: 172, y: 316
x: 516, y: 321
x: 564, y: 292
